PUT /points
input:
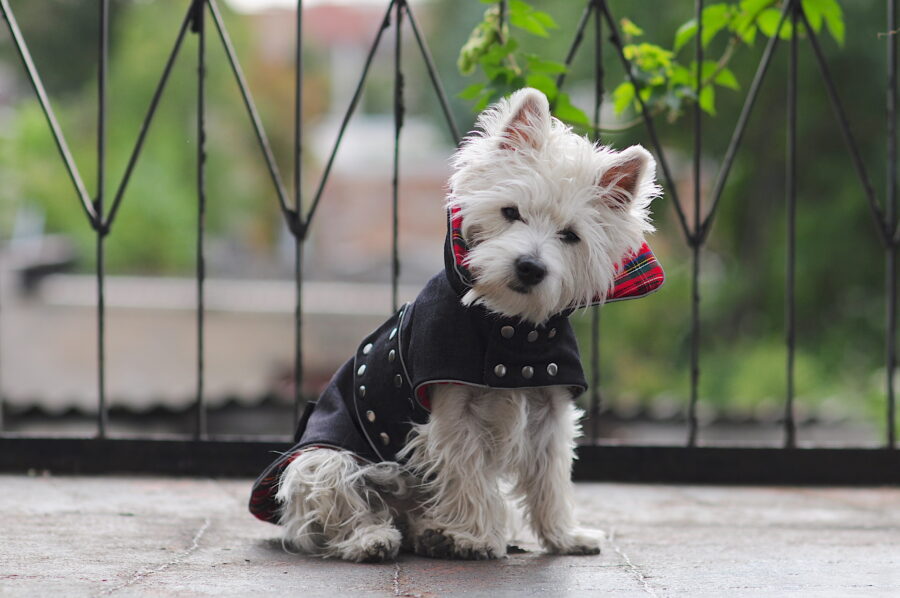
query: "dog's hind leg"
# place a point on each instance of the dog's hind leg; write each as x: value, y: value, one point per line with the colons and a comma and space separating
x: 331, y: 506
x: 545, y: 474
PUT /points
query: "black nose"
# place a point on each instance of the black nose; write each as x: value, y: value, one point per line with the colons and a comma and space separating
x: 530, y: 270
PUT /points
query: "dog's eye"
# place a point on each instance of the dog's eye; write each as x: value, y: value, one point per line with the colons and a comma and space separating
x: 568, y: 236
x: 511, y: 213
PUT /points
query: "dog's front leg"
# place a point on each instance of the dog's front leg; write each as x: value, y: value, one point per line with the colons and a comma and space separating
x: 545, y: 474
x: 464, y: 515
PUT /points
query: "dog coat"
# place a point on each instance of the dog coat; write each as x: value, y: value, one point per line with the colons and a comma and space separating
x: 376, y: 397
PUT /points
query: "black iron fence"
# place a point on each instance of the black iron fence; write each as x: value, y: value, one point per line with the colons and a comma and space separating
x: 201, y: 455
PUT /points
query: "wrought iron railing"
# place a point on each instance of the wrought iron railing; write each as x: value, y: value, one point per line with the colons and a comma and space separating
x: 201, y: 454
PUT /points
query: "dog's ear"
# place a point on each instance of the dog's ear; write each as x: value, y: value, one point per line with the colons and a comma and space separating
x: 529, y: 122
x: 621, y: 182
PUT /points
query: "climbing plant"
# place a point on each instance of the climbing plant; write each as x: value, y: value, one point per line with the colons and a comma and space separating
x: 666, y: 72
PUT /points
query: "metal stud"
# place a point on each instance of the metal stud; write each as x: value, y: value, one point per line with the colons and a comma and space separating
x: 362, y: 392
x: 392, y: 355
x: 499, y: 370
x: 507, y: 331
x: 552, y: 333
x: 385, y: 439
x: 370, y: 415
x: 393, y: 334
x: 532, y: 336
x: 367, y: 349
x: 398, y: 380
x: 361, y: 370
x: 552, y: 369
x: 527, y: 372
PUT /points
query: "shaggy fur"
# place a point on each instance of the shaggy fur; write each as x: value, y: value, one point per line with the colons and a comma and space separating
x: 526, y: 187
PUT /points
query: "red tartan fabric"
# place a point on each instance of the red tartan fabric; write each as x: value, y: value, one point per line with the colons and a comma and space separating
x: 263, y: 505
x: 638, y: 275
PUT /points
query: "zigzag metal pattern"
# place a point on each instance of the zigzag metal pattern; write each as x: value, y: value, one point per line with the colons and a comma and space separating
x: 299, y: 223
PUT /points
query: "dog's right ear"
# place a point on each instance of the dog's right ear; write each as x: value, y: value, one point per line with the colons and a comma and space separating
x: 529, y: 122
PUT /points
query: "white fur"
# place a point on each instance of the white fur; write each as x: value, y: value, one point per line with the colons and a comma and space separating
x: 447, y: 500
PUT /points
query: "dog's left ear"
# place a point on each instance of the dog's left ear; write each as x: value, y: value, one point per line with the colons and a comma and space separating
x: 530, y: 121
x: 621, y: 182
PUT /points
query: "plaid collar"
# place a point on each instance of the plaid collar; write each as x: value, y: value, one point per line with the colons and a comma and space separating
x: 637, y: 275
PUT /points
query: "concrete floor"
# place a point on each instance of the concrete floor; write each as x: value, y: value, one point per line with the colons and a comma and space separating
x: 143, y: 536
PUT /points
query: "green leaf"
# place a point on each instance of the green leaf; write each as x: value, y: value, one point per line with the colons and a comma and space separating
x: 715, y: 18
x: 630, y: 29
x: 528, y: 23
x: 726, y: 78
x: 680, y: 75
x: 755, y: 6
x: 497, y: 72
x: 623, y: 97
x: 749, y: 35
x: 708, y: 100
x: 483, y: 102
x: 536, y: 64
x: 813, y: 14
x: 520, y: 7
x: 544, y: 19
x: 565, y: 111
x: 685, y: 33
x: 542, y: 83
x: 768, y: 20
x: 471, y: 92
x: 744, y: 23
x: 834, y: 17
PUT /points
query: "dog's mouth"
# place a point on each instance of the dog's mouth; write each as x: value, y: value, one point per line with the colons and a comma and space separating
x: 518, y: 288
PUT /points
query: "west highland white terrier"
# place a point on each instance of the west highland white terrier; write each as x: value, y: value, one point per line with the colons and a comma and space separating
x: 462, y: 402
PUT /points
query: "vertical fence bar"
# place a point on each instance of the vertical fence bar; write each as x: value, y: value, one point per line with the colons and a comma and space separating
x: 891, y: 213
x: 790, y: 320
x: 103, y: 66
x: 398, y: 125
x: 199, y: 28
x: 694, y: 236
x: 298, y: 208
x: 599, y: 76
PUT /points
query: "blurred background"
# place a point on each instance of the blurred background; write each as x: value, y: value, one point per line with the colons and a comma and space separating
x: 47, y: 287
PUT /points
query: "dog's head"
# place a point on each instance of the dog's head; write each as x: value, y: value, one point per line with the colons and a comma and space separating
x: 546, y: 214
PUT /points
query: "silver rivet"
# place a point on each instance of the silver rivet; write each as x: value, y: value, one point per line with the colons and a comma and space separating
x: 507, y: 331
x: 367, y: 349
x: 392, y: 355
x: 527, y: 372
x: 393, y: 333
x: 361, y: 370
x: 552, y: 333
x: 385, y: 439
x: 499, y: 370
x: 362, y: 391
x: 370, y: 415
x: 552, y: 369
x: 532, y: 336
x: 398, y: 380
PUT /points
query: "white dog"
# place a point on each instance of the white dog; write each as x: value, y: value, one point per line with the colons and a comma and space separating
x: 471, y: 386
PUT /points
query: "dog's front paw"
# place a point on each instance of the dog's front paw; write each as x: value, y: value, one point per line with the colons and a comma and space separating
x: 441, y: 544
x: 375, y: 545
x: 573, y: 544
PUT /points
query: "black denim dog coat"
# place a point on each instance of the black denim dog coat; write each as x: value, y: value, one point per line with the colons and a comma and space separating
x: 375, y: 398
